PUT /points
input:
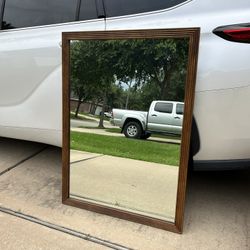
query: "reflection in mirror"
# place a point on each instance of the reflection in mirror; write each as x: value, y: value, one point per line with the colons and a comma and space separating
x: 126, y: 114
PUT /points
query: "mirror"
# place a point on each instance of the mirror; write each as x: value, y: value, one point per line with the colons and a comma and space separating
x: 128, y: 99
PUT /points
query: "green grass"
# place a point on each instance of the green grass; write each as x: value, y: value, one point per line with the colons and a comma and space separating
x: 127, y: 148
x: 118, y: 130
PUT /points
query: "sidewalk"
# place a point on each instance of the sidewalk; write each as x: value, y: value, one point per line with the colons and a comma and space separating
x: 146, y: 187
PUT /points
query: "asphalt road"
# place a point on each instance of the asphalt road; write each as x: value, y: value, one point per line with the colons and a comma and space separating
x: 217, y: 214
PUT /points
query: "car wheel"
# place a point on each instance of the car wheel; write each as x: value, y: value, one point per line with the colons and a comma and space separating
x: 133, y: 130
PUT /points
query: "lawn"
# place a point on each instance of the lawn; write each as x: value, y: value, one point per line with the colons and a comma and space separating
x: 118, y: 130
x: 128, y: 148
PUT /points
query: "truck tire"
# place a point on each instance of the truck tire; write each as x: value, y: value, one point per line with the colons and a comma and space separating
x: 133, y: 130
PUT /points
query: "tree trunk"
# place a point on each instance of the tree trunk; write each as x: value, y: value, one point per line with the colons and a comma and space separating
x: 78, y: 107
x: 164, y: 85
x: 127, y: 99
x: 164, y: 90
x: 101, y: 125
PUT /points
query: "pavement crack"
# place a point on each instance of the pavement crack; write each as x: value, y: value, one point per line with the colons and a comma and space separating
x: 66, y: 230
x: 86, y: 159
x: 24, y: 160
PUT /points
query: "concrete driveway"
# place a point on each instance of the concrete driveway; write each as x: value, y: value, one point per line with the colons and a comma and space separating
x: 32, y: 217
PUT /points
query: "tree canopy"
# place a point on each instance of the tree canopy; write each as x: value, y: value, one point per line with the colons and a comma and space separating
x: 149, y: 69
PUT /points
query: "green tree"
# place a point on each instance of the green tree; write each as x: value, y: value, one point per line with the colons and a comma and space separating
x: 160, y: 61
x: 83, y: 78
x: 151, y: 68
x: 90, y: 72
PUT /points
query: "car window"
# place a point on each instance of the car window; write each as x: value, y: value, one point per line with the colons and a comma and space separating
x: 88, y: 10
x: 164, y: 107
x: 179, y: 109
x: 126, y: 7
x: 28, y: 13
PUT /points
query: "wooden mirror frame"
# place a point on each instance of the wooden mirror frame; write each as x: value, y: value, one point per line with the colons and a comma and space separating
x: 193, y: 34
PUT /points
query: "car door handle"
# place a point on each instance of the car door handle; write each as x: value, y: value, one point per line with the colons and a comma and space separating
x: 154, y: 115
x: 176, y: 117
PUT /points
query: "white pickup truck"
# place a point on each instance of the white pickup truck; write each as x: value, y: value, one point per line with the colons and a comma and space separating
x: 163, y: 117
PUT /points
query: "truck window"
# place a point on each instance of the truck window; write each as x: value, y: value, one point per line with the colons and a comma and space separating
x: 1, y: 12
x: 164, y: 107
x: 28, y: 13
x: 88, y: 10
x: 127, y: 7
x: 1, y: 8
x: 179, y: 109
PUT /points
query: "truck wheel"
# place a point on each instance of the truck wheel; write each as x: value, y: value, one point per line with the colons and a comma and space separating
x: 145, y: 136
x: 133, y: 130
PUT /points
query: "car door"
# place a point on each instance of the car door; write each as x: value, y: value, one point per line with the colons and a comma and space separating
x: 178, y: 117
x: 29, y: 50
x: 160, y: 117
x: 30, y: 58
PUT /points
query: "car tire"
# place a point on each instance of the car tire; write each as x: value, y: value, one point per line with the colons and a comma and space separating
x: 133, y: 130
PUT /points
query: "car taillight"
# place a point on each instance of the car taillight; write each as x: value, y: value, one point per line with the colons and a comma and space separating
x: 236, y: 33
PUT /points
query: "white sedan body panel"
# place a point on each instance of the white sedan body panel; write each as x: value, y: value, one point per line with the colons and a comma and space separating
x: 31, y: 81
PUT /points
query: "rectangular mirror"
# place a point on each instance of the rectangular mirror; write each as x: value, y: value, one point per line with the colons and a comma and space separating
x: 127, y: 114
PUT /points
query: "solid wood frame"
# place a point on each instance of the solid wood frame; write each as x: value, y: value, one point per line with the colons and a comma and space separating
x: 193, y: 34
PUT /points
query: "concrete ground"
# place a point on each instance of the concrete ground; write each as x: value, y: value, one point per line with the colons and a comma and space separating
x: 145, y: 187
x: 16, y: 233
x: 217, y: 214
x: 75, y: 123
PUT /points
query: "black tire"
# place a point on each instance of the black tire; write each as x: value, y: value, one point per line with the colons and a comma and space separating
x: 145, y: 135
x: 133, y: 130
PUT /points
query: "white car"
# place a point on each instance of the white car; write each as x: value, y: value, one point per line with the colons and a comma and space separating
x: 30, y: 66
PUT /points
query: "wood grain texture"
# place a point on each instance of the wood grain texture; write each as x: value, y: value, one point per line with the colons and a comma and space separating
x: 186, y: 128
x: 193, y: 35
x: 66, y: 118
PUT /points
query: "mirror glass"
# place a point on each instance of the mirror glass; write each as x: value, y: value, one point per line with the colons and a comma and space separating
x: 126, y: 115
